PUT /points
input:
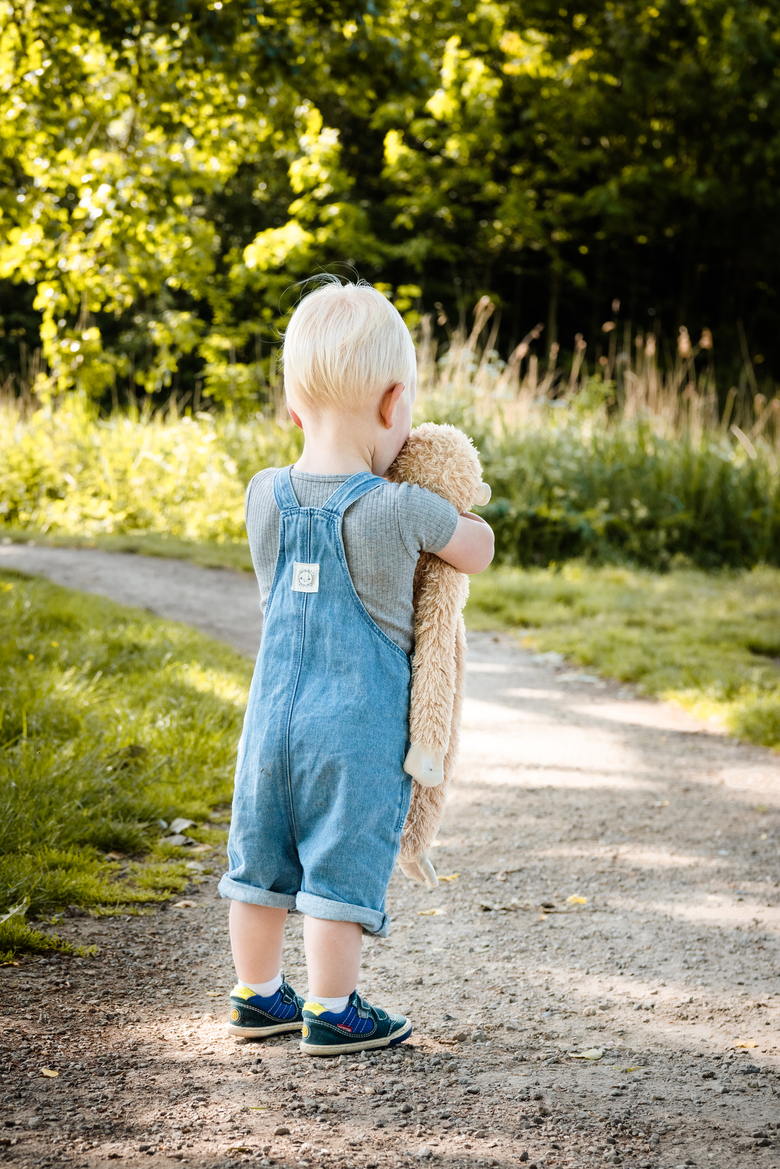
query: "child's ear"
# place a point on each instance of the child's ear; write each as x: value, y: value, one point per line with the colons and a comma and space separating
x: 388, y: 402
x: 295, y: 418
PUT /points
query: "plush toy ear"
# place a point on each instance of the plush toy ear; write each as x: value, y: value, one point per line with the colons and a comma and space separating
x: 483, y: 495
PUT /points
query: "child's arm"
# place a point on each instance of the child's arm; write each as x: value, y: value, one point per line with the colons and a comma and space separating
x: 471, y: 548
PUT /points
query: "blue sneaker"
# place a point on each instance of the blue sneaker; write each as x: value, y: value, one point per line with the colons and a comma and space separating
x: 358, y: 1028
x: 253, y: 1016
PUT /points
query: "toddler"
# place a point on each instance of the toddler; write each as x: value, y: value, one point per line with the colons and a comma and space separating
x: 320, y: 794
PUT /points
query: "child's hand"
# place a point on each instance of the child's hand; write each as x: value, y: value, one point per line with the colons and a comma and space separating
x: 471, y: 548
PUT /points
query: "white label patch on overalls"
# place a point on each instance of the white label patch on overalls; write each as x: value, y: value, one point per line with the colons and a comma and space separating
x: 306, y: 578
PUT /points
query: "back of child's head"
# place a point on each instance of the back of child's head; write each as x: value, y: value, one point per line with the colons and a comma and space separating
x: 344, y: 345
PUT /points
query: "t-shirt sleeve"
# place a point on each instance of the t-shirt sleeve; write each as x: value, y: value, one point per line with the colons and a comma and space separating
x: 259, y: 496
x: 427, y: 522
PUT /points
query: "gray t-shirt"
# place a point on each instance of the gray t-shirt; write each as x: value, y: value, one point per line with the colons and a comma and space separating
x: 384, y: 533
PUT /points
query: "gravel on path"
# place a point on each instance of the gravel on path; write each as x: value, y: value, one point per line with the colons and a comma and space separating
x: 610, y: 889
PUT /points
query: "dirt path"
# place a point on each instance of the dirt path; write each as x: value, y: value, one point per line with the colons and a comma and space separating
x: 567, y: 787
x: 222, y: 604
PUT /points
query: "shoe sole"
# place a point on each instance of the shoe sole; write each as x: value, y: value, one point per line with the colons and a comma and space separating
x: 343, y: 1048
x: 260, y: 1032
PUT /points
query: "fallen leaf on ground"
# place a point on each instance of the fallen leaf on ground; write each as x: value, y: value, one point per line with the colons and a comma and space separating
x: 185, y: 905
x: 744, y: 1044
x: 180, y: 824
x: 430, y: 912
x: 591, y: 1053
x: 575, y: 900
x: 50, y: 1072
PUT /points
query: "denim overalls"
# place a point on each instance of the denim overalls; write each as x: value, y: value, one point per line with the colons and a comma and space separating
x: 321, y: 795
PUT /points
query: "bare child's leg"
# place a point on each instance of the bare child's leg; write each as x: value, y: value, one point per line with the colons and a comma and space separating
x: 256, y: 937
x: 336, y: 1018
x: 333, y: 959
x: 262, y: 1003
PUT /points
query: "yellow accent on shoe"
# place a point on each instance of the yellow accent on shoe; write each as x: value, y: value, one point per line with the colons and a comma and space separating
x: 234, y: 1015
x: 242, y: 992
x: 315, y: 1008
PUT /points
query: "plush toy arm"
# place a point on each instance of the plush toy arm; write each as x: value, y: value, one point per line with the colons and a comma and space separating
x: 420, y: 869
x: 427, y: 805
x: 439, y: 598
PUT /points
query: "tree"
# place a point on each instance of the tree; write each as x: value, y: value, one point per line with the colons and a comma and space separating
x: 169, y: 172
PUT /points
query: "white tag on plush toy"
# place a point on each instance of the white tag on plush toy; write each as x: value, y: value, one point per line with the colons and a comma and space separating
x: 424, y: 765
x: 306, y: 578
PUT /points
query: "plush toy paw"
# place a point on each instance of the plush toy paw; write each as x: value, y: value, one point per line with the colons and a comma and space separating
x: 420, y: 869
x: 425, y: 765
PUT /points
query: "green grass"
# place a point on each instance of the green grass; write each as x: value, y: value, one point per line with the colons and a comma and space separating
x: 709, y: 641
x: 110, y: 721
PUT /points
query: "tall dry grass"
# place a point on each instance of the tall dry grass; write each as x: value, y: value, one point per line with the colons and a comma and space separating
x: 625, y: 376
x: 619, y: 457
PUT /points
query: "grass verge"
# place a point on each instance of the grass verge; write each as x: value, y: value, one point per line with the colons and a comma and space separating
x: 111, y: 721
x: 709, y: 641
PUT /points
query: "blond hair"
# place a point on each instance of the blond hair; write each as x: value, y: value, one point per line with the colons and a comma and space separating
x: 344, y: 345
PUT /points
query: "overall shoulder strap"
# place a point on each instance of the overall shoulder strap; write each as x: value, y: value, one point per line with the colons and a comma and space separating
x: 283, y: 492
x: 350, y: 491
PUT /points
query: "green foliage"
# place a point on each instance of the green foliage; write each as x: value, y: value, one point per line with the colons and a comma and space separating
x: 569, y: 480
x: 688, y: 636
x: 63, y: 471
x: 570, y: 487
x: 168, y: 172
x: 109, y: 721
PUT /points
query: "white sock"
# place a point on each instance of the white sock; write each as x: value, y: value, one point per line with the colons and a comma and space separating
x: 264, y: 989
x: 335, y: 1006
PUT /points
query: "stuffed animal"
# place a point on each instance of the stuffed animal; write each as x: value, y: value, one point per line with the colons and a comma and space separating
x: 444, y: 460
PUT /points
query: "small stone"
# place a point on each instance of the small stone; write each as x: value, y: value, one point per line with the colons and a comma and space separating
x: 282, y: 1131
x: 424, y: 1153
x: 405, y: 1108
x: 524, y: 1155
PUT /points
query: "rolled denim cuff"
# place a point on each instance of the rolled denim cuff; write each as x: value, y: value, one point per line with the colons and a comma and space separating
x: 372, y: 921
x: 236, y: 891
